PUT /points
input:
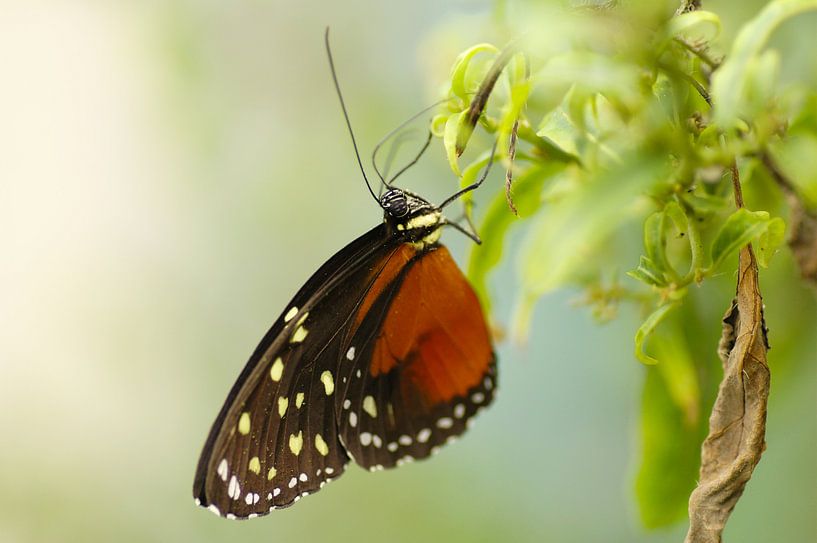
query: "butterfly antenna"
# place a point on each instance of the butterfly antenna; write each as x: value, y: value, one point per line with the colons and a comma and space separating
x: 346, y: 114
x: 394, y: 131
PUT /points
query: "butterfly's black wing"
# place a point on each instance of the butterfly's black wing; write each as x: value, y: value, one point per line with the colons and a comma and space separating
x: 276, y: 437
x: 383, y: 356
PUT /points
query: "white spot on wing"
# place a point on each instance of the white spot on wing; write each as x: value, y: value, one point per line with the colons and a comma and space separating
x: 352, y: 419
x: 365, y: 438
x: 445, y: 422
x: 223, y: 468
x: 423, y: 435
x: 302, y: 477
x: 233, y: 489
x: 459, y: 411
x: 405, y: 440
x: 350, y: 354
x: 478, y: 397
x: 292, y: 482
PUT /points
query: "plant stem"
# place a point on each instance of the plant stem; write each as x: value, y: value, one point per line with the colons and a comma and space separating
x: 736, y: 184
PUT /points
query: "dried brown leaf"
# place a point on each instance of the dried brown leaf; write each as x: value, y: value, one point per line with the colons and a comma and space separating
x: 737, y: 425
x: 509, y: 173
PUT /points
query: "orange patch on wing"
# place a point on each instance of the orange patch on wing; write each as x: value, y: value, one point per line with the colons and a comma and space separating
x: 395, y: 262
x: 436, y: 328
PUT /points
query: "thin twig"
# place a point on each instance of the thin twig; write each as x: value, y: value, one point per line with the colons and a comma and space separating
x: 689, y: 79
x: 480, y: 99
x: 699, y: 52
x: 776, y: 174
x: 736, y: 184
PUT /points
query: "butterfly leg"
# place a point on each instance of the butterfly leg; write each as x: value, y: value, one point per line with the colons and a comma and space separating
x: 475, y: 184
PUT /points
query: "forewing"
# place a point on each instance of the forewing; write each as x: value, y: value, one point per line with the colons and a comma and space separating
x: 418, y: 366
x: 276, y: 438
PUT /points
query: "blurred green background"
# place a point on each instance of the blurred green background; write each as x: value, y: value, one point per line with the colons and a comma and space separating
x: 170, y: 173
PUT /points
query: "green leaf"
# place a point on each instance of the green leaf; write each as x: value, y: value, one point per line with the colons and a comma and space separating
x: 677, y: 216
x: 592, y: 73
x: 450, y: 135
x: 655, y: 240
x: 459, y: 86
x: 770, y: 240
x: 647, y: 272
x: 565, y: 238
x: 498, y: 221
x: 557, y: 129
x: 740, y: 228
x: 705, y: 204
x: 731, y: 83
x: 646, y: 329
x: 513, y: 108
x: 437, y: 125
x: 696, y: 26
x: 669, y: 454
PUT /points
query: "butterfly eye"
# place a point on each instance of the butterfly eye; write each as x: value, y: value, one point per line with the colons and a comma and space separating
x: 395, y: 203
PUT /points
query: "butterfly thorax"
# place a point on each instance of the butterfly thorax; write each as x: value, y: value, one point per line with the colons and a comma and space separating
x: 415, y: 220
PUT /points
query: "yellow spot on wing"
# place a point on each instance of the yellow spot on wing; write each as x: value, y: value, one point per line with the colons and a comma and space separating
x: 328, y: 382
x: 277, y: 369
x: 299, y: 335
x: 271, y: 473
x: 283, y: 403
x: 302, y: 319
x: 255, y: 465
x: 244, y: 423
x: 299, y: 399
x: 296, y: 443
x: 291, y: 314
x: 321, y: 445
x: 369, y: 406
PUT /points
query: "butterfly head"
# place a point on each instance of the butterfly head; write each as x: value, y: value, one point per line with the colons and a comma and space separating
x: 414, y: 218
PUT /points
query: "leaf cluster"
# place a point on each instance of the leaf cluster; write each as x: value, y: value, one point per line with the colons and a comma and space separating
x: 621, y: 120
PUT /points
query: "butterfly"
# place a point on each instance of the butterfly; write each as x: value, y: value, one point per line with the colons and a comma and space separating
x: 381, y: 357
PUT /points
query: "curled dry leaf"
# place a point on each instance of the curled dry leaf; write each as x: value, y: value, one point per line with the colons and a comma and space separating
x: 737, y: 425
x: 509, y: 173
